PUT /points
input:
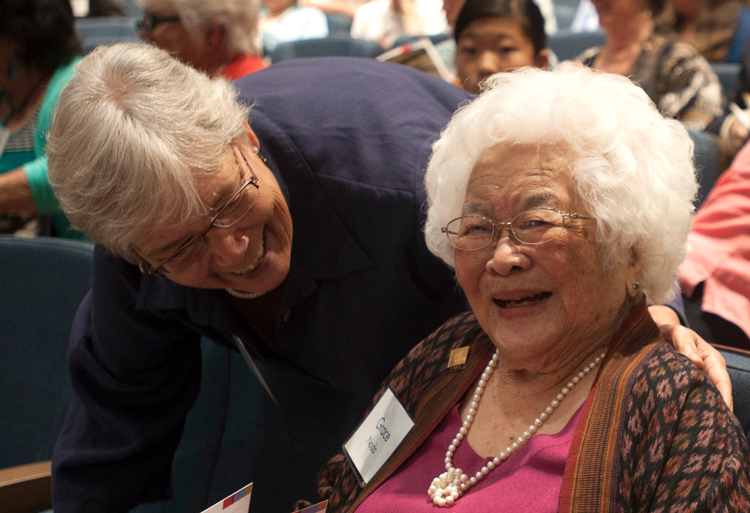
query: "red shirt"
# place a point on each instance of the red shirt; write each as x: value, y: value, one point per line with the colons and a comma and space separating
x: 243, y: 65
x: 720, y: 246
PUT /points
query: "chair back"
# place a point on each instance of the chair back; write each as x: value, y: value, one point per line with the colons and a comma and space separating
x: 327, y: 47
x: 738, y: 366
x: 42, y: 282
x: 729, y: 76
x: 568, y: 45
x: 339, y: 25
x: 103, y: 31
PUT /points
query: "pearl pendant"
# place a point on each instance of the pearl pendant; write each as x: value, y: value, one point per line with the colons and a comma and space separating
x: 449, y: 486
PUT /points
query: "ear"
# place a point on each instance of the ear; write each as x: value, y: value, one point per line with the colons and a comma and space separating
x: 542, y: 59
x: 635, y: 266
x: 213, y: 36
x: 251, y: 135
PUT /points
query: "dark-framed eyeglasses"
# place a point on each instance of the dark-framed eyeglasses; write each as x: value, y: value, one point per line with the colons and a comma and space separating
x: 150, y: 22
x: 537, y: 226
x: 190, y: 251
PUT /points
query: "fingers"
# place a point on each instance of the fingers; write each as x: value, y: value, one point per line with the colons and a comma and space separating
x: 703, y: 355
x: 716, y: 367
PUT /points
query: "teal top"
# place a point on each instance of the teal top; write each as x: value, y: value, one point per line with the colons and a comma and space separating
x: 35, y: 162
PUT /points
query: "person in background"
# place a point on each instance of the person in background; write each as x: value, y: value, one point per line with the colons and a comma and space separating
x: 493, y: 36
x: 38, y: 54
x: 674, y: 75
x: 715, y: 276
x: 384, y: 21
x: 283, y: 21
x: 345, y: 8
x: 718, y: 29
x: 447, y: 49
x: 559, y: 217
x: 217, y: 37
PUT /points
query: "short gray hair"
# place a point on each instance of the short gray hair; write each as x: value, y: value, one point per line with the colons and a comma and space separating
x: 131, y: 132
x: 238, y: 17
x: 634, y: 170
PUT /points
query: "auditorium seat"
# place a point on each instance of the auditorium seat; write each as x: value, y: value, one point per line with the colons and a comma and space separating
x: 327, y: 47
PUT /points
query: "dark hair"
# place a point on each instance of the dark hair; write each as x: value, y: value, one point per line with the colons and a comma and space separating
x: 525, y: 12
x: 656, y: 7
x: 43, y: 31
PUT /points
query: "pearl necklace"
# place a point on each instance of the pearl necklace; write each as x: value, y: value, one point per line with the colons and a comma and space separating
x: 244, y: 295
x: 453, y: 483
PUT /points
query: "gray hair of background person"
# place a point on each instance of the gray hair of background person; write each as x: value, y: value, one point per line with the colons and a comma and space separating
x: 132, y: 132
x: 634, y: 169
x: 238, y: 17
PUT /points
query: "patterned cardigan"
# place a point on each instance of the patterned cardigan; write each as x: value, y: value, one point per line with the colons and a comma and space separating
x: 654, y: 434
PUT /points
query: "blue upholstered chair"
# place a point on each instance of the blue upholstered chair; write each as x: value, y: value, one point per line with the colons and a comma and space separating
x: 342, y: 46
x: 707, y: 162
x: 569, y: 45
x: 738, y: 366
x: 42, y: 281
x: 729, y: 76
x: 104, y: 31
x: 339, y: 25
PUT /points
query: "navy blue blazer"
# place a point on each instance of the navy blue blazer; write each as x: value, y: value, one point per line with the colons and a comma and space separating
x: 348, y: 140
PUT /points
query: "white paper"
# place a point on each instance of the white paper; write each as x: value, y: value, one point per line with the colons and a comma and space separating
x: 378, y: 436
x: 238, y: 502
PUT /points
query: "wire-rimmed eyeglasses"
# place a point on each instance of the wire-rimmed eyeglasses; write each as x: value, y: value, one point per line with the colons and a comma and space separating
x: 472, y: 233
x: 194, y: 248
x: 149, y: 22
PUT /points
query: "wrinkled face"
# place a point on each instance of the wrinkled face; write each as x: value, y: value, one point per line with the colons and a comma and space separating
x: 173, y: 37
x: 491, y: 45
x: 546, y: 302
x: 252, y: 255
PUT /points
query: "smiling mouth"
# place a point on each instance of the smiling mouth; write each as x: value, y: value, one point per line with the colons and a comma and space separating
x: 523, y: 301
x: 256, y: 261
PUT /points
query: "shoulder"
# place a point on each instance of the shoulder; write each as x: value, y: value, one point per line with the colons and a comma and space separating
x: 675, y: 424
x: 429, y: 359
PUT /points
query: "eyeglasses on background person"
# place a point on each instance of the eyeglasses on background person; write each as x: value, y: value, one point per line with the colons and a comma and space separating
x: 150, y: 22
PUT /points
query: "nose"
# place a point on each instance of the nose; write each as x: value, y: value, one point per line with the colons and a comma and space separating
x: 507, y: 257
x: 489, y: 64
x: 227, y: 246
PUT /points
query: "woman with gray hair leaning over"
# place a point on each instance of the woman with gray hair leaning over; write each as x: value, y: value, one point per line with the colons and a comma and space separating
x: 297, y: 236
x: 219, y: 37
x: 561, y: 199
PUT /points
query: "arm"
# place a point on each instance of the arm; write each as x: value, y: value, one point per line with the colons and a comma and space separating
x: 15, y: 193
x: 135, y: 376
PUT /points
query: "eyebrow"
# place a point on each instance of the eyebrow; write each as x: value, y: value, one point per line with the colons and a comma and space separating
x: 525, y: 203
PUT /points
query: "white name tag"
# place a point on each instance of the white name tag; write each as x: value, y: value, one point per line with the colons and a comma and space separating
x: 378, y: 436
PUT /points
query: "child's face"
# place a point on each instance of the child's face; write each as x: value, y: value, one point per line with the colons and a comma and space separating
x: 491, y: 45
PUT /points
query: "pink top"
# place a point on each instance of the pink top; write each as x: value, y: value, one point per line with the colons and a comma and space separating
x: 720, y: 246
x: 530, y: 480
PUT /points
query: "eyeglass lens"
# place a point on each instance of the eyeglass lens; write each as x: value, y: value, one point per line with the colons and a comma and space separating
x: 471, y: 233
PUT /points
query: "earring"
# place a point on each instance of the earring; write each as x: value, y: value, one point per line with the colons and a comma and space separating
x: 256, y: 149
x: 636, y: 286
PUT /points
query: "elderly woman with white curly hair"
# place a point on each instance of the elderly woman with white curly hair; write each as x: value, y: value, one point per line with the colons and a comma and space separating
x: 562, y: 199
x: 219, y: 37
